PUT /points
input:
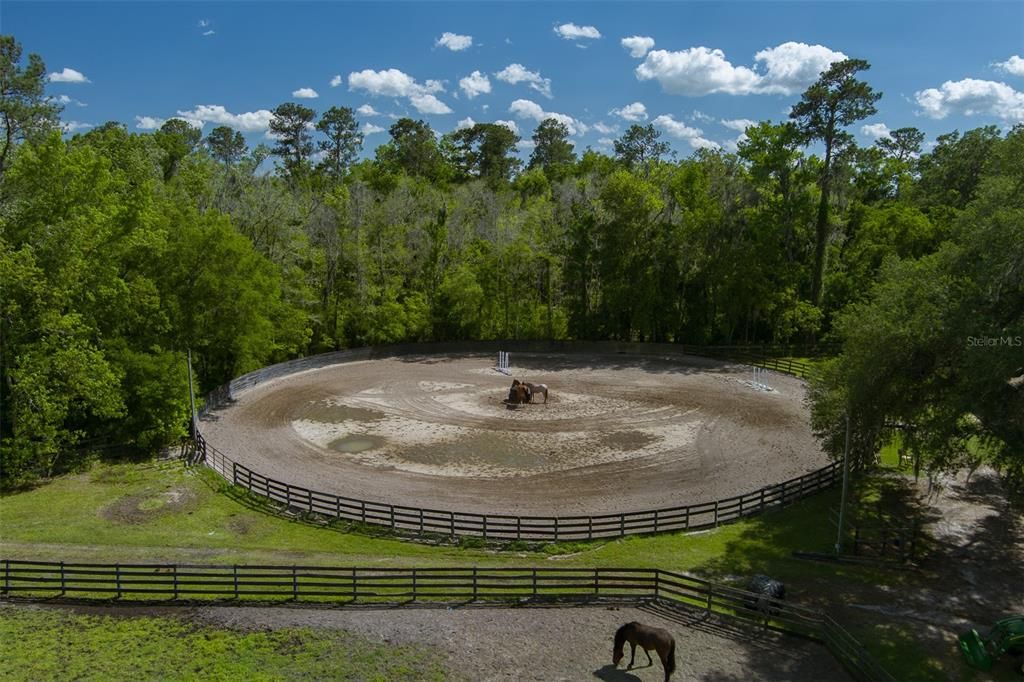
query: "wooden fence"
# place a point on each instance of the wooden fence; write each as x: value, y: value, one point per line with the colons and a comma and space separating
x: 323, y: 584
x: 506, y: 527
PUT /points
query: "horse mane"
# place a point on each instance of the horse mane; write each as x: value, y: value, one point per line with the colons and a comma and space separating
x: 620, y: 634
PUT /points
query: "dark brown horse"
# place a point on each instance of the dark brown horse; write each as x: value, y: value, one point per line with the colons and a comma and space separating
x: 518, y: 394
x: 649, y: 639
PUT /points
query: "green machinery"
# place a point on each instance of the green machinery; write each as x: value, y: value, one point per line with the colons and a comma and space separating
x: 1005, y: 637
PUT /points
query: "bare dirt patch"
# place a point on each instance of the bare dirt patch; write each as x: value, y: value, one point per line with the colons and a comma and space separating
x: 618, y: 434
x: 136, y: 509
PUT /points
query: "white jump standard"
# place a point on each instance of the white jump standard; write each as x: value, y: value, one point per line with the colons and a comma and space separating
x: 503, y: 363
x: 760, y: 381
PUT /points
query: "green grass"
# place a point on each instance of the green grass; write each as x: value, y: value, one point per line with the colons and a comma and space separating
x: 52, y: 644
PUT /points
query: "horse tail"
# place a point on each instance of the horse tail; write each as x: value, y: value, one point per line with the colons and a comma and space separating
x: 670, y: 660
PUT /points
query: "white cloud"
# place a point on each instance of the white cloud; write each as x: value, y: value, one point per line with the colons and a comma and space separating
x: 571, y: 31
x: 631, y: 112
x: 367, y: 110
x: 701, y: 116
x: 1014, y: 66
x: 971, y: 97
x: 517, y: 73
x: 370, y: 129
x: 68, y: 76
x: 511, y: 125
x: 475, y: 84
x: 525, y: 146
x: 524, y: 108
x: 250, y: 121
x: 638, y: 46
x: 305, y: 93
x: 209, y: 33
x: 203, y: 23
x: 681, y: 131
x: 605, y: 142
x: 148, y: 122
x: 74, y: 126
x: 429, y: 104
x: 64, y: 99
x: 454, y: 41
x: 467, y: 122
x: 875, y: 130
x: 738, y: 124
x: 605, y: 129
x: 789, y: 68
x: 336, y: 81
x: 395, y: 83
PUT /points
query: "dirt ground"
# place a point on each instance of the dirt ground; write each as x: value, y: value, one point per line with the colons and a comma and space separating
x: 617, y: 434
x: 570, y: 643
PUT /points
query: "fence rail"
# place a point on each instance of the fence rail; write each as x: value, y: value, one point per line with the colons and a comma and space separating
x: 506, y: 527
x: 328, y: 584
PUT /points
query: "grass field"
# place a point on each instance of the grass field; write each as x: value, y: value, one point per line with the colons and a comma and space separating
x: 52, y: 644
x: 166, y: 512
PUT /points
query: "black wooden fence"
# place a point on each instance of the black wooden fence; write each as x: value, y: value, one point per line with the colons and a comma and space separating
x: 505, y: 527
x: 324, y: 584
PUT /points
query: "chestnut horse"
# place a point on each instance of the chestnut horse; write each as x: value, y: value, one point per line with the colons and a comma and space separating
x: 649, y: 639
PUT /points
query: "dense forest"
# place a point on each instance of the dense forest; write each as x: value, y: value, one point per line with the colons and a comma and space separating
x: 120, y: 251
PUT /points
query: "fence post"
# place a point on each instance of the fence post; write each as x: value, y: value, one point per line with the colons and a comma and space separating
x: 392, y: 509
x: 117, y: 579
x: 556, y: 529
x: 63, y: 580
x: 234, y: 473
x: 716, y: 513
x: 362, y: 510
x: 519, y: 530
x: 535, y: 583
x: 686, y: 519
x: 485, y: 525
x: 234, y: 578
x: 762, y: 500
x: 622, y: 525
x: 709, y: 599
x: 295, y: 583
x: 657, y: 583
x: 355, y: 591
x: 596, y: 587
x: 474, y: 584
x: 414, y: 584
x: 655, y: 520
x: 590, y: 527
x: 174, y: 577
x: 7, y: 576
x: 309, y: 499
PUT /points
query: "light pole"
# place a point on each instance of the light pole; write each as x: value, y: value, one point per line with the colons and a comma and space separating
x: 846, y: 476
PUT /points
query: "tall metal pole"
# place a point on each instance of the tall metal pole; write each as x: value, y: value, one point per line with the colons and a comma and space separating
x: 191, y: 397
x: 846, y: 476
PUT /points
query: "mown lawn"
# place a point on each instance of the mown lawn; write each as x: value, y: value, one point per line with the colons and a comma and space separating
x: 165, y: 512
x: 56, y: 644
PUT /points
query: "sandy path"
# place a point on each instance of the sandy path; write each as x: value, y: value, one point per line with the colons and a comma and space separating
x: 565, y: 643
x: 619, y: 434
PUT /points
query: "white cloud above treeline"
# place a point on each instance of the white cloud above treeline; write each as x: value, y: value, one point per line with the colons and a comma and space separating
x: 367, y: 110
x: 305, y: 93
x: 517, y: 73
x: 395, y: 83
x: 371, y: 129
x: 475, y: 84
x: 1013, y: 66
x: 68, y: 76
x: 875, y: 131
x: 787, y: 69
x: 738, y: 124
x: 681, y: 131
x: 638, y: 46
x: 571, y: 31
x: 631, y: 112
x: 528, y: 109
x: 970, y: 97
x: 454, y: 41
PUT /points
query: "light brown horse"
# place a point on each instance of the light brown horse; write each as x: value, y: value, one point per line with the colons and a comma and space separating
x: 534, y: 389
x: 649, y: 639
x: 518, y: 394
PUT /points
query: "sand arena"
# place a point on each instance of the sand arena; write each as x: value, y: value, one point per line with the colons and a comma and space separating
x: 619, y: 433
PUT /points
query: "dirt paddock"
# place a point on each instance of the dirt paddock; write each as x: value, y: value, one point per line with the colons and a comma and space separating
x: 617, y: 433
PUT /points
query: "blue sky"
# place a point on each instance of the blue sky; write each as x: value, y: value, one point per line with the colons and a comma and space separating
x: 697, y: 70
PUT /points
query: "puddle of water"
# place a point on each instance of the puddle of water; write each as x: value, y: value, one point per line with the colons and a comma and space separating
x: 628, y: 441
x: 356, y: 443
x: 335, y: 414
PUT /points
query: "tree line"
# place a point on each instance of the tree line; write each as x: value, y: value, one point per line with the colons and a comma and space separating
x: 119, y: 251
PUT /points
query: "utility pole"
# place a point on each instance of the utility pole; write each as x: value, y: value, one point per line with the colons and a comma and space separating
x: 846, y: 476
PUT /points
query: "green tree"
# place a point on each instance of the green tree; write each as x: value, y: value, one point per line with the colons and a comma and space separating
x: 412, y: 149
x: 178, y: 139
x: 290, y: 126
x: 902, y: 144
x: 485, y: 151
x: 639, y: 147
x: 552, y: 151
x: 226, y: 145
x: 343, y: 141
x: 24, y: 111
x: 836, y: 100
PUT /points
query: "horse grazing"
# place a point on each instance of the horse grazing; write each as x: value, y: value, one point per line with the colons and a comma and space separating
x: 537, y: 388
x: 649, y: 639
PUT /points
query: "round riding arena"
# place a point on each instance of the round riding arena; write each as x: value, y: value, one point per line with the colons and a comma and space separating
x: 619, y: 433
